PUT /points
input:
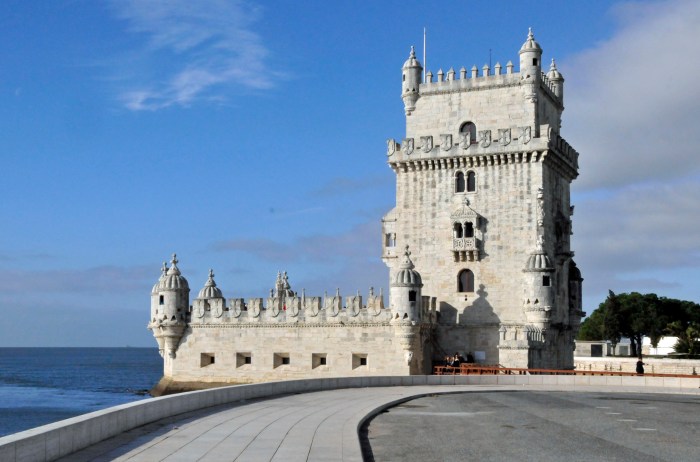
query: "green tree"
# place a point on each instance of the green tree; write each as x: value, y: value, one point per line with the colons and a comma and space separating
x: 685, y: 325
x: 636, y: 315
x: 612, y: 319
x: 592, y: 327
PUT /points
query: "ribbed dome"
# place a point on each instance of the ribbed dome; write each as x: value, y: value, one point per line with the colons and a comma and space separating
x: 406, y: 275
x: 538, y: 260
x: 530, y: 44
x: 554, y: 73
x: 412, y: 61
x: 210, y: 290
x: 173, y: 280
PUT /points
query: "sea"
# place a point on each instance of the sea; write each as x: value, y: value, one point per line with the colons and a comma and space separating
x: 44, y: 385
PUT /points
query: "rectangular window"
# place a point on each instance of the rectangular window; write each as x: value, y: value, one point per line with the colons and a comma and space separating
x: 280, y: 359
x: 318, y: 359
x: 162, y: 299
x: 390, y: 240
x: 359, y: 360
x: 243, y: 359
x: 411, y: 295
x: 206, y: 359
x: 546, y: 281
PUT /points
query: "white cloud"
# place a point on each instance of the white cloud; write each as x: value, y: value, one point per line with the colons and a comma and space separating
x: 643, y: 238
x: 194, y: 51
x: 646, y: 227
x: 633, y: 101
x: 632, y: 108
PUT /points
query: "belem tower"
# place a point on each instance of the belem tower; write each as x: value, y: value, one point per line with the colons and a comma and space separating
x: 478, y: 251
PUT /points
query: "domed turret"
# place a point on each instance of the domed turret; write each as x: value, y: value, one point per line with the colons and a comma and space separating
x: 538, y: 261
x: 210, y: 290
x: 173, y: 279
x: 557, y: 80
x: 406, y: 291
x: 538, y: 287
x: 411, y: 80
x: 530, y: 57
x: 169, y: 305
x: 210, y: 300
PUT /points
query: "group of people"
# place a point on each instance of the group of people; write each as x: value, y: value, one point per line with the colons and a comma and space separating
x: 458, y: 359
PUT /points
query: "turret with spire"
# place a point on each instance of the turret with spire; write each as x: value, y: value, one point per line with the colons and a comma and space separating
x: 411, y: 80
x: 405, y: 296
x: 530, y: 57
x: 170, y: 299
x: 557, y: 80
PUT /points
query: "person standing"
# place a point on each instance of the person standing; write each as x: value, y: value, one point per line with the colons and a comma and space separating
x: 640, y: 366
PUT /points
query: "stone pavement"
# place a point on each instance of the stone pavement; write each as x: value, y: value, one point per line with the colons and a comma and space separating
x: 317, y: 426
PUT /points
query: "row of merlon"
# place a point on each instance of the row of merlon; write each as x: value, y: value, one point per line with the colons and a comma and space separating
x: 486, y: 71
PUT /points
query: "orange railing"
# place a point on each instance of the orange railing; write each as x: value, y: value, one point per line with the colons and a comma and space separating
x: 483, y: 369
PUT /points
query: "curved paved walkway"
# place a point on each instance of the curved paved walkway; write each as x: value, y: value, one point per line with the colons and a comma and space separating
x: 317, y: 426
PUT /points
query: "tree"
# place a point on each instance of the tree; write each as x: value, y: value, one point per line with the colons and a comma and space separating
x: 685, y: 326
x: 592, y: 327
x: 612, y: 319
x: 636, y: 315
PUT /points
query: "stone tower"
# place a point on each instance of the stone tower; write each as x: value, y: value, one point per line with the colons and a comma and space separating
x: 482, y: 198
x: 170, y: 299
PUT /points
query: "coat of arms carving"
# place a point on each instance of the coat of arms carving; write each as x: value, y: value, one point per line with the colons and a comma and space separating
x: 426, y: 143
x: 504, y: 136
x: 485, y: 138
x: 407, y: 146
x: 390, y: 146
x: 525, y: 135
x: 446, y: 142
x: 465, y: 139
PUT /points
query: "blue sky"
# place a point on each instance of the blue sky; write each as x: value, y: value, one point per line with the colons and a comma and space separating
x: 249, y: 137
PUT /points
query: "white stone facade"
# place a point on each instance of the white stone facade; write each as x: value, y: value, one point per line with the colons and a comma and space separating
x: 482, y: 187
x: 482, y: 201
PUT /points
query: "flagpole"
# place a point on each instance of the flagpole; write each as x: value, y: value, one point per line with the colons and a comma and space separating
x: 425, y: 63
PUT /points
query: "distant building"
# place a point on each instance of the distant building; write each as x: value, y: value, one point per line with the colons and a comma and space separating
x: 478, y: 250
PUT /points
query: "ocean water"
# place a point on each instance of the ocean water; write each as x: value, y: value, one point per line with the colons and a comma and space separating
x: 43, y: 385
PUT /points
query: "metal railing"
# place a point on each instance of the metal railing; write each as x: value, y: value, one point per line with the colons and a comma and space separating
x: 485, y: 369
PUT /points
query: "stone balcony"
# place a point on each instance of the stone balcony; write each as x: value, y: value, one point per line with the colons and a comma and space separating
x: 465, y: 248
x: 463, y: 244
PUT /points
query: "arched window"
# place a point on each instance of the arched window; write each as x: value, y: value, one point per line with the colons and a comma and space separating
x: 458, y: 232
x: 469, y: 127
x: 471, y: 181
x: 469, y: 230
x: 465, y: 281
x: 459, y: 182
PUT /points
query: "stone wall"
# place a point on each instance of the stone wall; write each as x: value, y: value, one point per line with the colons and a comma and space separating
x: 651, y: 365
x: 246, y: 353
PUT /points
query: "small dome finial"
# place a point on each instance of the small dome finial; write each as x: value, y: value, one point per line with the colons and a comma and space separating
x: 406, y: 263
x: 174, y: 260
x: 530, y: 35
x: 413, y: 52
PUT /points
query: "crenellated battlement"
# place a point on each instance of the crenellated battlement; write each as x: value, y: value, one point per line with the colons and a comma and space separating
x: 294, y: 308
x: 486, y: 78
x: 465, y: 81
